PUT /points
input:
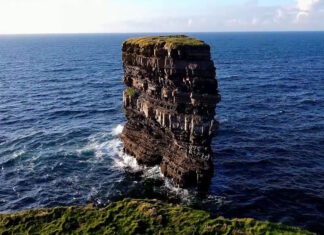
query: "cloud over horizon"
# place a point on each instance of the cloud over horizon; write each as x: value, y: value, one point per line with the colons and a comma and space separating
x: 98, y: 16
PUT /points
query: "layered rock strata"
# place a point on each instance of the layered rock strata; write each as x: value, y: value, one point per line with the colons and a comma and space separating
x: 169, y: 102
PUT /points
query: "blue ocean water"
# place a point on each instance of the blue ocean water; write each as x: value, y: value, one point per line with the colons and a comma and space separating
x: 60, y: 116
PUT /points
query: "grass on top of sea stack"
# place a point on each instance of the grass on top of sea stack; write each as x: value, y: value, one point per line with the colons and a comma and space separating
x: 171, y: 41
x: 133, y: 216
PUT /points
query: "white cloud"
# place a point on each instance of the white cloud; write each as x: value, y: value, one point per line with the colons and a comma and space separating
x: 67, y: 16
x: 280, y: 15
x: 303, y: 14
x: 189, y: 22
x: 255, y: 21
x: 305, y: 7
x: 81, y: 16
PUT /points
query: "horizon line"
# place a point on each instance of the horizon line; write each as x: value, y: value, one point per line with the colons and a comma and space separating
x: 171, y: 32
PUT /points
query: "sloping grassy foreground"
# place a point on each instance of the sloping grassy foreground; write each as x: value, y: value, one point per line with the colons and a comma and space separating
x: 132, y: 216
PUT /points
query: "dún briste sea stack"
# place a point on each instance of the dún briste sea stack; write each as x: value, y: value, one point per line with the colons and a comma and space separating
x: 169, y: 102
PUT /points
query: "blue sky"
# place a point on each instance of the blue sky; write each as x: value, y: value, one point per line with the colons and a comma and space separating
x: 100, y: 16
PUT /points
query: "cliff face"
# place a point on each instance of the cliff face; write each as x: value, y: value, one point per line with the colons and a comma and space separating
x: 169, y: 102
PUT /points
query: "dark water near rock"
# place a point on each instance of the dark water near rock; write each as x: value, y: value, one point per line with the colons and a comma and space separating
x: 60, y: 115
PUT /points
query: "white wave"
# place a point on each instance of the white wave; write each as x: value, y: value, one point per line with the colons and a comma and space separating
x: 18, y: 153
x: 105, y: 145
x: 183, y: 193
x: 117, y: 130
x: 102, y: 145
x: 15, y: 155
x: 153, y: 172
x: 120, y: 158
x: 189, y: 196
x: 216, y: 200
x: 108, y: 145
x: 95, y: 147
x: 223, y: 120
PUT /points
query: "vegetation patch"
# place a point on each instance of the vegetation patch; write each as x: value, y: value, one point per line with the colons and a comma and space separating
x: 133, y: 216
x: 173, y: 41
x: 130, y: 91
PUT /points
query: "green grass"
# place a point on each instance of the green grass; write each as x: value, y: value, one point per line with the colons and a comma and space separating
x: 173, y: 41
x: 133, y: 216
x: 130, y: 91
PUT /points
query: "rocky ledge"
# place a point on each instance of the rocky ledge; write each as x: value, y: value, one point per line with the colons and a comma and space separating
x: 169, y: 102
x: 133, y: 216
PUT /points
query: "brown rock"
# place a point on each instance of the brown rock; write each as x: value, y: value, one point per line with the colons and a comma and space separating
x: 169, y: 102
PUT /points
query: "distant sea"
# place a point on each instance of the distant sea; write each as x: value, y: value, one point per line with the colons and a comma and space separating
x: 61, y: 116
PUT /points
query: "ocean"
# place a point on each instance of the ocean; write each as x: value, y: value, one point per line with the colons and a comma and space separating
x: 61, y: 116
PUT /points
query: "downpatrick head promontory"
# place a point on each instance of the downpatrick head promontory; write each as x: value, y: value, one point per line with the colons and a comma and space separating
x: 169, y: 102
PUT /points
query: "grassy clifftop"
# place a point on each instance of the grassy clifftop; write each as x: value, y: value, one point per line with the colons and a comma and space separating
x: 132, y: 216
x: 172, y: 41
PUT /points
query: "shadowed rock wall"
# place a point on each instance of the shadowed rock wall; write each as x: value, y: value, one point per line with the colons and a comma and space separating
x: 169, y: 102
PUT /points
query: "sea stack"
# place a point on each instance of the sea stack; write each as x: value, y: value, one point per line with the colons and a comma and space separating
x: 169, y: 102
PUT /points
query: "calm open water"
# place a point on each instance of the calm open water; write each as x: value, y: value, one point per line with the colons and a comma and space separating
x: 60, y: 117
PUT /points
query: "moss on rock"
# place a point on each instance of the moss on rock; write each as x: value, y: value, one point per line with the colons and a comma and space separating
x: 133, y: 216
x: 130, y: 91
x: 172, y: 41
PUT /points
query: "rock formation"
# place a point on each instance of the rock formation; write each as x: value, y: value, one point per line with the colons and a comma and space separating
x: 169, y: 102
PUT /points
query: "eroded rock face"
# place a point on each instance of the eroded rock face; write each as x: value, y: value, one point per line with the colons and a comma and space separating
x: 169, y: 102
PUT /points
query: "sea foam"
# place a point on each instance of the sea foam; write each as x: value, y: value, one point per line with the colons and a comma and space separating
x: 116, y: 131
x: 108, y: 145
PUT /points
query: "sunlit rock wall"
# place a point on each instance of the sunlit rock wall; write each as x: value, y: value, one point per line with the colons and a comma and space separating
x: 169, y: 102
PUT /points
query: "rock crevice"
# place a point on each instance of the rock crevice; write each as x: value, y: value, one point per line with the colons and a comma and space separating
x: 169, y: 102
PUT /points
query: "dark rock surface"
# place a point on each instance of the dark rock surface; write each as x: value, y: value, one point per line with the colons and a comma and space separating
x: 169, y: 102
